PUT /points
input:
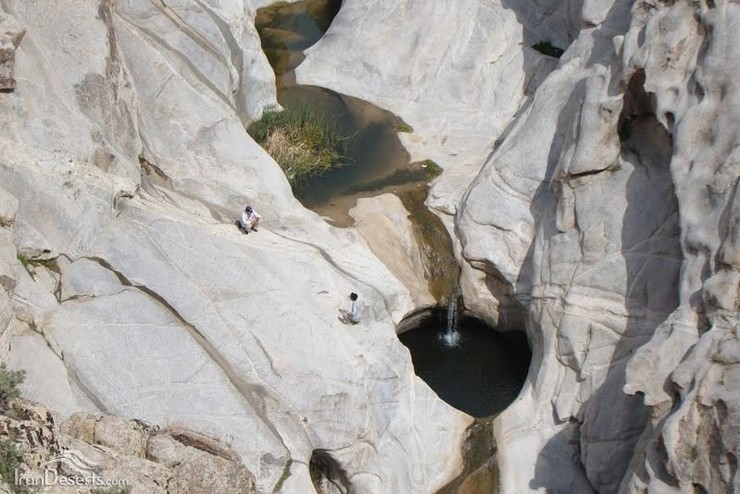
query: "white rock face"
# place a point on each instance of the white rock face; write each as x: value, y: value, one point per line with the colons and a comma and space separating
x: 605, y: 217
x: 124, y: 145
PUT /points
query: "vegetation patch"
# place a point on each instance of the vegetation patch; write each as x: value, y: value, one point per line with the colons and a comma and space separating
x: 24, y: 260
x: 404, y: 127
x: 10, y: 461
x: 304, y: 142
x: 29, y: 263
x: 614, y: 167
x: 433, y: 169
x: 9, y: 381
x: 10, y: 454
x: 547, y: 48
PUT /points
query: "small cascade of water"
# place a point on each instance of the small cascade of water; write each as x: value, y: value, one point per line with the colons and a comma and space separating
x: 451, y: 336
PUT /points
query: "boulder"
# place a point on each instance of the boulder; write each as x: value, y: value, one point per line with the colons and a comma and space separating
x: 6, y: 310
x: 32, y: 303
x: 47, y: 378
x: 79, y: 451
x: 129, y: 437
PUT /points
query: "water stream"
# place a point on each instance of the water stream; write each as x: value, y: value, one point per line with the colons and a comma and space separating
x: 451, y: 336
x: 378, y: 161
x: 468, y: 364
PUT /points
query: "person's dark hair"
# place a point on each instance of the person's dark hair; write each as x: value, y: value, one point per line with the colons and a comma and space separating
x: 353, y: 296
x: 248, y: 209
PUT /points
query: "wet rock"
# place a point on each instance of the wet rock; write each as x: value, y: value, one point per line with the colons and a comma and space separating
x: 383, y: 222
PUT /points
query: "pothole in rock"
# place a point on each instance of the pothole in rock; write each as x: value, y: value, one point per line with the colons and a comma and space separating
x: 332, y: 147
x: 467, y: 363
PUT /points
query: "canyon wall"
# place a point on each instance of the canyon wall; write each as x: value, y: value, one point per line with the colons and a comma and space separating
x: 597, y: 208
x: 592, y: 200
x: 128, y: 291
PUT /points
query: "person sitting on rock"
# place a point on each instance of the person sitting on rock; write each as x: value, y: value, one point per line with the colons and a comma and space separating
x: 353, y: 315
x: 249, y: 220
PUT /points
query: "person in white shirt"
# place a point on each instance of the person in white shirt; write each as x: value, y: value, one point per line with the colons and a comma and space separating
x: 249, y: 220
x: 352, y: 316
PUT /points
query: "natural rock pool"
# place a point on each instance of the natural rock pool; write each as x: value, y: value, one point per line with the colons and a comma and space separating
x: 377, y: 161
x: 478, y: 371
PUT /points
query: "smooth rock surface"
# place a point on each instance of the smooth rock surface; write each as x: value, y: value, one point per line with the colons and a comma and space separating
x: 592, y: 198
x: 455, y: 71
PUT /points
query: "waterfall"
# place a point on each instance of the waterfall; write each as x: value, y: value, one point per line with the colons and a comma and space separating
x: 451, y: 336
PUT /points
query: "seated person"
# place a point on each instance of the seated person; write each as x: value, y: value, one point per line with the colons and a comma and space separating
x: 249, y: 220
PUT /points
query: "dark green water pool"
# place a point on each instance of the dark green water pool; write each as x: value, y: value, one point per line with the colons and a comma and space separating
x: 481, y: 374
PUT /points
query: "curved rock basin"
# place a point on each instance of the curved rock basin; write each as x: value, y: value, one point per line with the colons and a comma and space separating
x: 481, y: 374
x: 379, y: 162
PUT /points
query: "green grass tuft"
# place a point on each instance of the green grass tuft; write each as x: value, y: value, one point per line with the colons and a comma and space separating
x: 304, y: 142
x: 25, y: 261
x: 404, y: 127
x: 28, y: 263
x: 433, y: 169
